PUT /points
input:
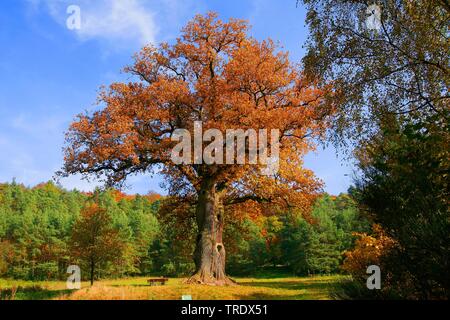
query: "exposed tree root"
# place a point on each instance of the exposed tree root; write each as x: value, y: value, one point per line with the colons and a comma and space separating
x: 210, y: 281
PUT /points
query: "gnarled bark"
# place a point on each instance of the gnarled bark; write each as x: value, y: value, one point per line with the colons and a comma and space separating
x: 209, y: 254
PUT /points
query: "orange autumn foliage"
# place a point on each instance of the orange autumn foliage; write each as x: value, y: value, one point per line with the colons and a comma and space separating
x: 368, y: 250
x: 119, y: 195
x: 219, y: 75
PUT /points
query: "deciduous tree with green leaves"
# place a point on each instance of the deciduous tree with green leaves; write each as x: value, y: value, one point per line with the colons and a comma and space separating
x: 401, y: 68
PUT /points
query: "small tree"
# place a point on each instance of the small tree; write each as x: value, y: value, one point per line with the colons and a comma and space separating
x: 94, y: 241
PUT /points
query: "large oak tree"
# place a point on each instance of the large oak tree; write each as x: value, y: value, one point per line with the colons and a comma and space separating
x: 217, y: 74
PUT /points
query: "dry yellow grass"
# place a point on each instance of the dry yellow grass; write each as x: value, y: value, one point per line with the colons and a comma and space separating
x: 136, y: 289
x: 316, y: 288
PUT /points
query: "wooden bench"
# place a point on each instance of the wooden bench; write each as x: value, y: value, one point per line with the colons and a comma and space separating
x: 157, y: 281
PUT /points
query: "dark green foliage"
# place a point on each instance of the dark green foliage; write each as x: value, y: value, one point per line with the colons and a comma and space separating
x: 291, y: 241
x: 246, y: 247
x: 407, y: 166
x: 317, y: 248
x: 296, y: 243
x: 172, y: 251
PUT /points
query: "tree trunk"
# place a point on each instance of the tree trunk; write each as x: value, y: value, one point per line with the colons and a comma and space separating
x: 92, y: 272
x: 209, y: 254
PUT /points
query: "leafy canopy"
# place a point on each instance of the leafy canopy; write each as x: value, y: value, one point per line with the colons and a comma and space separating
x: 217, y: 74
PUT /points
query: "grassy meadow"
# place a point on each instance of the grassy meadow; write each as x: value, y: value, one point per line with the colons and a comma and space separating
x: 283, y: 288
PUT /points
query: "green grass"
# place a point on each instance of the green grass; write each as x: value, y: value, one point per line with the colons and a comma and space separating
x: 257, y: 287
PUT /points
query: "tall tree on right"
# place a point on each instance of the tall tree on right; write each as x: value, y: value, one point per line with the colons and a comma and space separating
x: 389, y: 65
x: 387, y: 57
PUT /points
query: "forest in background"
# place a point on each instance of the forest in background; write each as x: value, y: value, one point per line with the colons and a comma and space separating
x: 37, y: 234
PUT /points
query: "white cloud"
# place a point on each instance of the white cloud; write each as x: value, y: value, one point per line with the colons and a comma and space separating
x: 118, y: 19
x: 111, y: 20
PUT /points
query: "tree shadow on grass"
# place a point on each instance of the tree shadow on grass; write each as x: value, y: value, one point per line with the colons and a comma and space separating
x: 263, y: 272
x: 31, y: 293
x: 129, y: 285
x: 290, y: 285
x: 268, y: 296
x: 138, y: 285
x: 307, y: 290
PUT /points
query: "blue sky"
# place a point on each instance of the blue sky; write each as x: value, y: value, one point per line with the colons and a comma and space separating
x: 49, y: 73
